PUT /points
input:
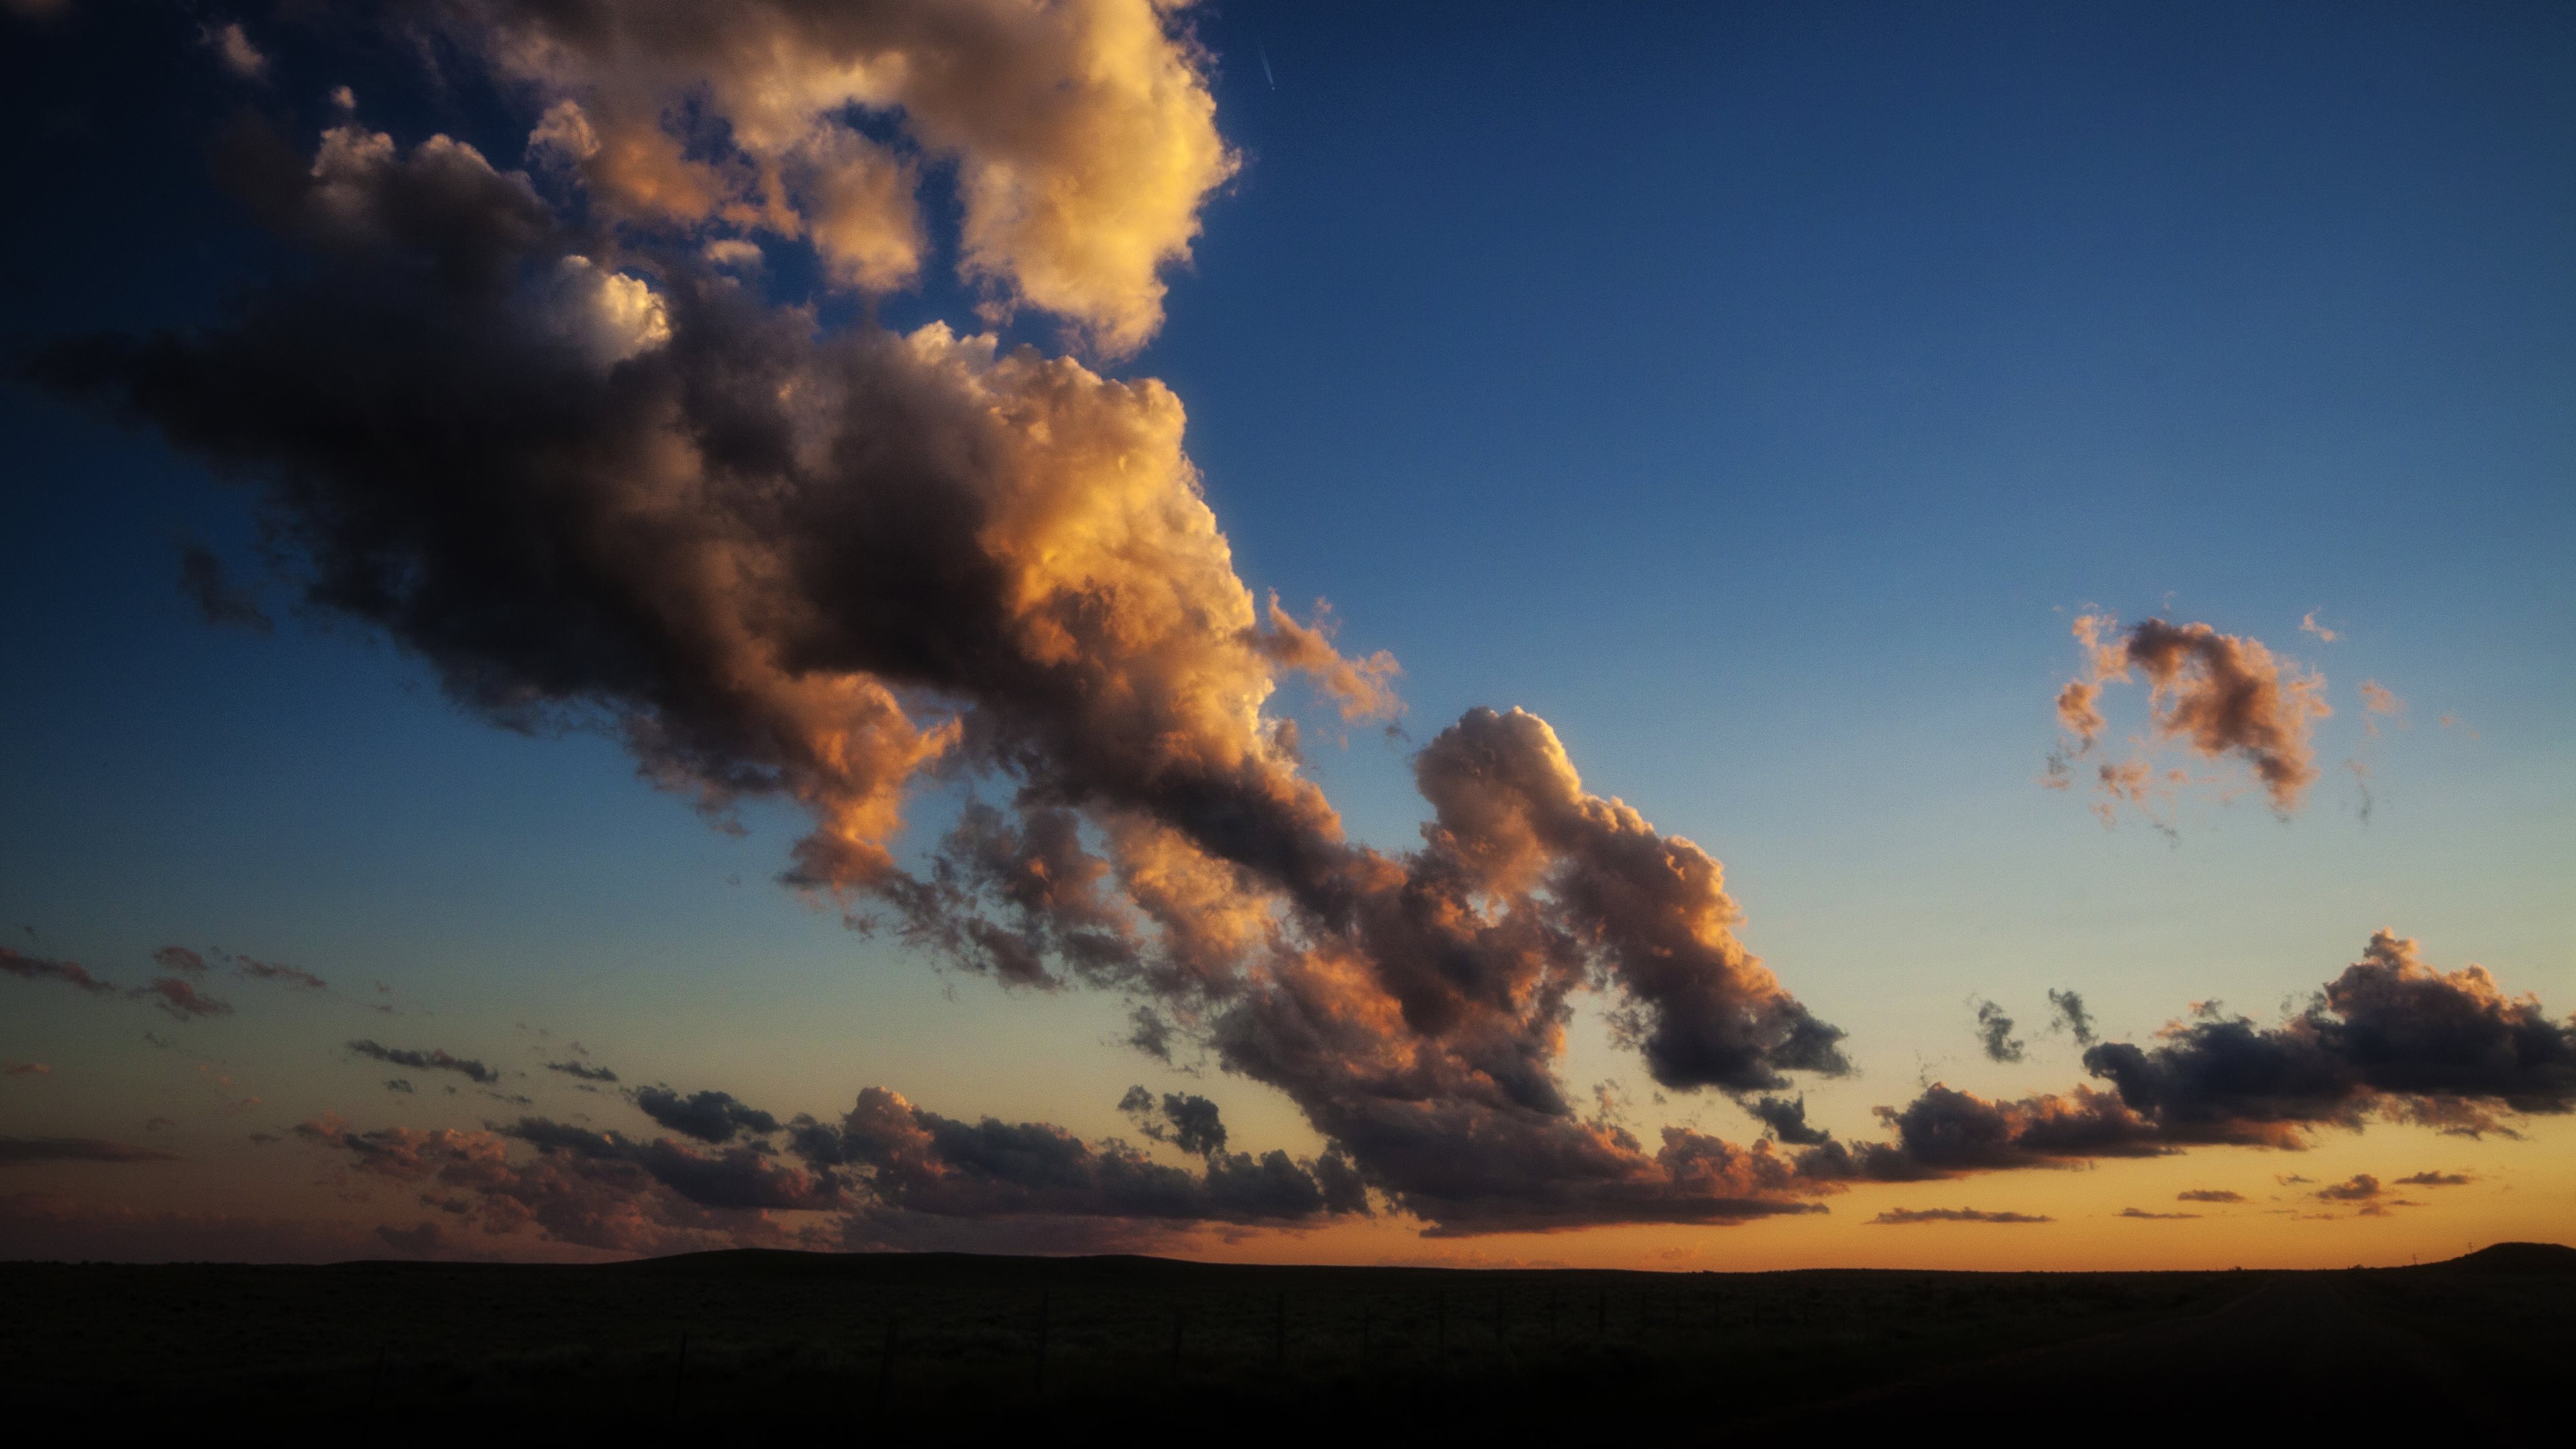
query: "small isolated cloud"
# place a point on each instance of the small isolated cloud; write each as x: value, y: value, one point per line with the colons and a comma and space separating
x: 2143, y: 1213
x: 45, y: 968
x: 1898, y: 1216
x: 2308, y: 625
x: 2218, y: 696
x: 232, y: 45
x: 2360, y: 1187
x: 2209, y: 1194
x: 179, y: 959
x: 2379, y: 702
x: 181, y: 1000
x: 435, y: 1060
x: 399, y: 1084
x: 1994, y: 1033
x: 201, y: 579
x: 583, y: 1071
x: 25, y: 1069
x: 15, y: 1151
x: 2068, y: 1015
x: 2437, y: 1179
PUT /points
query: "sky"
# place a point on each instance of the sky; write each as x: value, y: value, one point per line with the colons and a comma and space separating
x: 1846, y: 635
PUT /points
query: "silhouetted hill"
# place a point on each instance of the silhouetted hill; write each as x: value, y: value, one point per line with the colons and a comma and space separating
x: 2521, y: 1258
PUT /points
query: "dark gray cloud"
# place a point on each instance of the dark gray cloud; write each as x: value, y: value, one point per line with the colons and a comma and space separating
x: 201, y: 579
x: 919, y: 1162
x: 2161, y: 1217
x: 2069, y: 1016
x: 583, y: 1071
x: 435, y: 1060
x: 706, y: 1116
x: 15, y: 1151
x: 1945, y: 1132
x: 2436, y: 1179
x: 180, y: 959
x: 2390, y: 1037
x: 259, y: 970
x: 739, y: 1178
x: 2360, y: 1187
x: 2209, y: 1194
x: 1785, y: 1118
x: 1901, y: 1216
x: 45, y: 968
x: 1190, y: 1123
x: 1994, y: 1033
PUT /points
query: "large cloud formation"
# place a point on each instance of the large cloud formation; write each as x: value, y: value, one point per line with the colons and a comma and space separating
x: 2217, y: 695
x: 524, y: 425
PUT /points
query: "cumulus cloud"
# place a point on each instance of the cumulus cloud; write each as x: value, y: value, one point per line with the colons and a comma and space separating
x: 2360, y: 1187
x: 2216, y: 695
x: 1901, y: 1216
x: 435, y: 1060
x: 592, y: 480
x: 201, y: 580
x: 2436, y: 1179
x: 16, y: 1151
x: 44, y: 968
x: 180, y: 999
x: 1081, y: 135
x: 2308, y: 625
x: 1994, y: 1033
x: 706, y: 1116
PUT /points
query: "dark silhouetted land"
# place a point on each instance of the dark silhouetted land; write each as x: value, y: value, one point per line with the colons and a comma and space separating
x: 1087, y: 1347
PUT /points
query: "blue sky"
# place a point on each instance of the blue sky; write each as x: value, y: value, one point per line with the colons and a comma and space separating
x: 1756, y: 396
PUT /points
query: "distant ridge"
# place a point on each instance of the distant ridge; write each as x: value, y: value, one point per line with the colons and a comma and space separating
x: 2516, y: 1258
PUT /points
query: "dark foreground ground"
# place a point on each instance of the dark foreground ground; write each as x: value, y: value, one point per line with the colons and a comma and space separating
x: 1135, y: 1348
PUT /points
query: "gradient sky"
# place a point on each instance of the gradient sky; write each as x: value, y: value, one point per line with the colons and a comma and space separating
x: 1756, y: 396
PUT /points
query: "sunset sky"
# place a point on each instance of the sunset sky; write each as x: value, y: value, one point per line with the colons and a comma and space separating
x: 633, y: 627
